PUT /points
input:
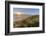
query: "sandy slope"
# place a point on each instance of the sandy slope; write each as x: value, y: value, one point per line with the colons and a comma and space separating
x: 27, y: 21
x: 20, y: 17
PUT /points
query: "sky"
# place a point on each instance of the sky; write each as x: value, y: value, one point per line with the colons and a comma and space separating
x: 27, y: 11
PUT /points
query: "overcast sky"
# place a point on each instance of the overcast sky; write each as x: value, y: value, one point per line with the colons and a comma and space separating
x: 28, y: 11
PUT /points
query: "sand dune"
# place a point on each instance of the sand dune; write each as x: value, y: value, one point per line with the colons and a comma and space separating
x: 26, y: 21
x: 21, y: 17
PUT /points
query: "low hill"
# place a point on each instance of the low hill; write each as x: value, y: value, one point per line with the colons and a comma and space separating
x: 31, y: 21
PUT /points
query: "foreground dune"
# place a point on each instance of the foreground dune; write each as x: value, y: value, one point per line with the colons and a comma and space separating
x: 27, y: 21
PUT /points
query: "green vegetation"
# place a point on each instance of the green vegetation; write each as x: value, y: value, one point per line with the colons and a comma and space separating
x: 32, y: 21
